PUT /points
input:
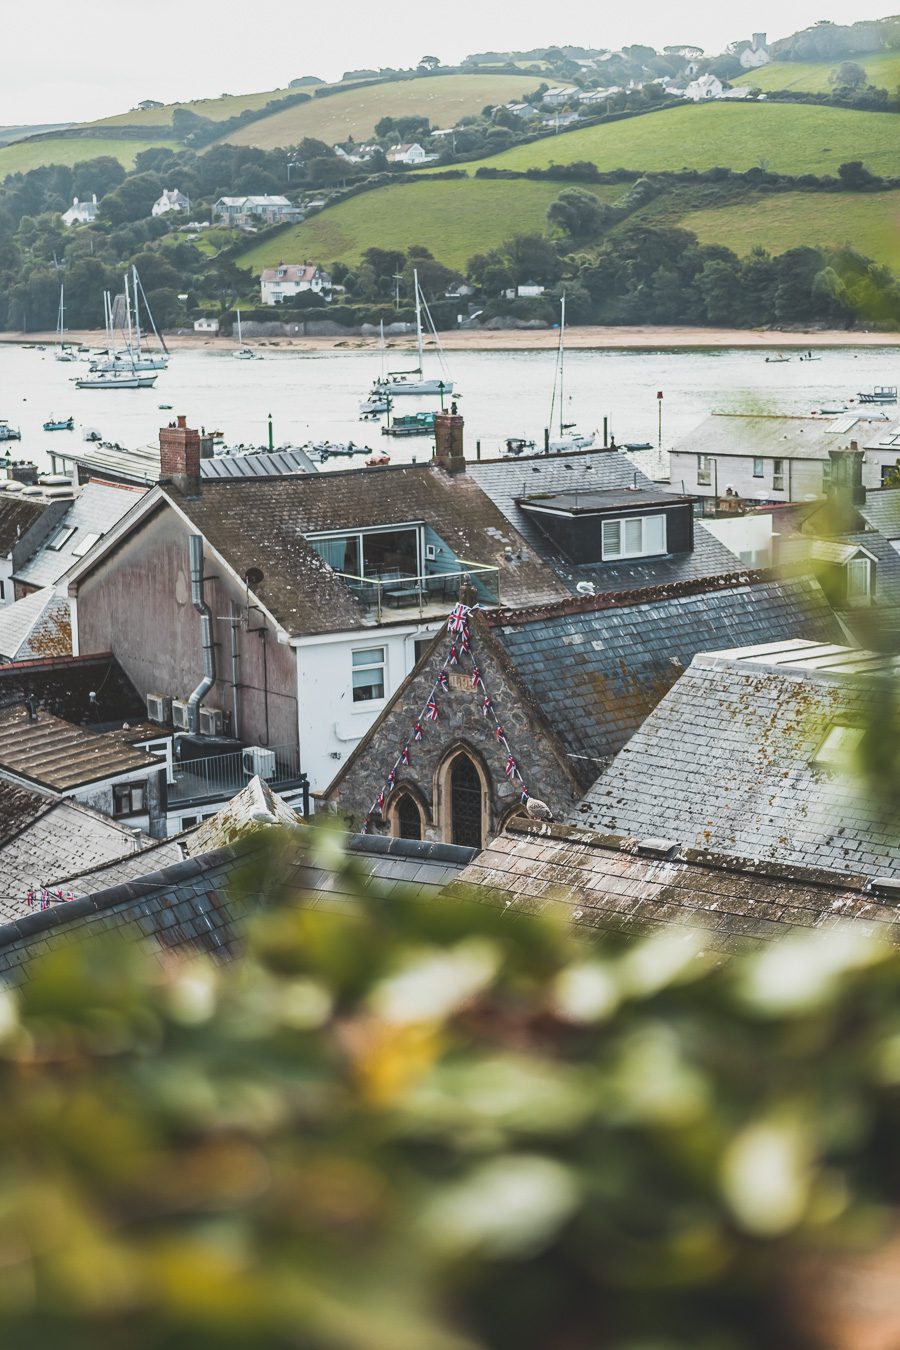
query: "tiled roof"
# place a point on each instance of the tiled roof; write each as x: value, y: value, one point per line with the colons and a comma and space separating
x: 17, y: 514
x: 40, y: 624
x: 86, y: 690
x: 609, y: 884
x: 62, y: 837
x: 881, y: 510
x: 726, y: 761
x: 194, y: 904
x: 596, y: 471
x: 95, y: 511
x: 264, y: 524
x: 597, y: 670
x: 60, y: 755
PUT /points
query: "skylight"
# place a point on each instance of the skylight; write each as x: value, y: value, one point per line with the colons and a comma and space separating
x: 61, y: 538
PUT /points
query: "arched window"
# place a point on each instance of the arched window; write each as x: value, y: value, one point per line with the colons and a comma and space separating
x: 407, y: 818
x: 466, y: 808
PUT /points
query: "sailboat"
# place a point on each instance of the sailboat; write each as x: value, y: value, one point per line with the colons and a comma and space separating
x: 413, y: 381
x: 377, y: 403
x: 244, y: 353
x: 63, y: 351
x: 132, y: 358
x: 568, y: 438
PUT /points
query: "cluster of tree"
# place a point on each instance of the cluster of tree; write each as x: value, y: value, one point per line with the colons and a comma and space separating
x: 825, y: 41
x: 386, y: 275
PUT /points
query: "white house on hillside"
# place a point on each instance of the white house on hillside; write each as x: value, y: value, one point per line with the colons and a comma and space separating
x: 706, y: 87
x: 757, y: 54
x: 278, y: 283
x: 171, y: 200
x: 81, y: 213
x: 408, y: 154
x: 241, y: 211
x: 559, y: 95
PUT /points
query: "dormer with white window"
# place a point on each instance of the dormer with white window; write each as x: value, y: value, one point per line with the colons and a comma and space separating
x: 613, y: 525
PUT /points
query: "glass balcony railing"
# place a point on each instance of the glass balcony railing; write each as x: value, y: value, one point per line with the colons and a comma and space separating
x: 431, y: 591
x: 218, y: 776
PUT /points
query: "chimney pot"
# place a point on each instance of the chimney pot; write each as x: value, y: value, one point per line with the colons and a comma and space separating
x: 449, y: 453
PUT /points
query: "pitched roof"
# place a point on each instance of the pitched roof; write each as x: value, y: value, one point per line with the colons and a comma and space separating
x: 19, y: 807
x: 881, y: 511
x: 610, y: 884
x: 263, y: 526
x: 86, y: 690
x: 732, y: 759
x: 91, y: 515
x: 779, y: 435
x: 40, y: 624
x: 59, y: 755
x: 596, y: 471
x: 289, y: 272
x: 17, y: 514
x: 598, y: 666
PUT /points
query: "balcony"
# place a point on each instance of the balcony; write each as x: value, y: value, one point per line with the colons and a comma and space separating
x: 216, y: 777
x: 429, y: 593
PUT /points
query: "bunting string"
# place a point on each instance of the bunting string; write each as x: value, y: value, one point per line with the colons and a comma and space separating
x: 461, y: 646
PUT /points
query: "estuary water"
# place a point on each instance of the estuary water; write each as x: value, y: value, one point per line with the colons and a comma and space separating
x: 314, y: 396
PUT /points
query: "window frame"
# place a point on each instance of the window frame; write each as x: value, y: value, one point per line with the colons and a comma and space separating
x: 57, y: 542
x: 129, y: 790
x: 624, y: 553
x: 759, y: 466
x: 359, y: 667
x: 705, y: 470
x: 859, y: 597
x: 362, y: 533
x: 777, y: 475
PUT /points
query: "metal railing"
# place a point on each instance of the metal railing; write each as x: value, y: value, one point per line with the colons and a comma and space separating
x: 427, y: 589
x: 216, y: 776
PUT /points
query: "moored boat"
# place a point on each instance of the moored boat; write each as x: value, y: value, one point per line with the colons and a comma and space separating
x: 882, y: 393
x: 8, y: 433
x: 115, y: 379
x: 60, y: 424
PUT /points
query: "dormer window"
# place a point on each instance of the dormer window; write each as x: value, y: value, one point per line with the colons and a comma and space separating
x: 635, y: 537
x: 859, y: 581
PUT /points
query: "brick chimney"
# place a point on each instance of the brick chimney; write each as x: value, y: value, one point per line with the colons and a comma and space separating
x: 449, y: 454
x: 179, y: 457
x: 845, y: 492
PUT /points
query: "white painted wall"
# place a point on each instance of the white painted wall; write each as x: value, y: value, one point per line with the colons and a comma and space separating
x: 803, y: 479
x: 331, y: 725
x: 749, y: 537
x: 7, y: 587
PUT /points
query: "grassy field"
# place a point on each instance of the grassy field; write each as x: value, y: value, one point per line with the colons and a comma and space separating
x: 453, y: 219
x: 25, y: 155
x: 789, y: 138
x: 354, y: 112
x: 870, y: 223
x: 217, y: 109
x: 882, y: 68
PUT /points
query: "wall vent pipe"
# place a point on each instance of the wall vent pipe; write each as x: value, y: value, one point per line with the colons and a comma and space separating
x: 195, y: 553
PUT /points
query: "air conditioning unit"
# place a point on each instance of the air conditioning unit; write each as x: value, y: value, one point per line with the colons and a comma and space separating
x: 210, y: 722
x: 257, y: 760
x: 159, y: 708
x: 181, y: 718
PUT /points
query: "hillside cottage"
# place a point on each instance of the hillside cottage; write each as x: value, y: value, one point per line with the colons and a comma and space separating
x: 81, y: 213
x: 408, y: 154
x: 706, y: 87
x: 757, y: 54
x: 240, y: 212
x: 288, y: 279
x: 171, y: 200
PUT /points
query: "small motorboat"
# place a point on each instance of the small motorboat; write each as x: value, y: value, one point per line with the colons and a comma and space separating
x: 882, y: 393
x: 378, y: 460
x: 637, y: 445
x: 8, y: 433
x: 165, y: 407
x: 517, y: 445
x: 778, y: 360
x: 60, y: 424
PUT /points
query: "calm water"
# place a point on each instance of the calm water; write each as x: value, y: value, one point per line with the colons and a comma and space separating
x: 314, y: 395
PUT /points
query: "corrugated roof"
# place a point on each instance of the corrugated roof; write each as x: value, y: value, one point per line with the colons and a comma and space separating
x: 258, y: 464
x: 727, y: 761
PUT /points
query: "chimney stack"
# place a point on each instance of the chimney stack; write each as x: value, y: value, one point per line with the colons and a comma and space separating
x: 179, y: 457
x: 449, y: 453
x: 845, y: 492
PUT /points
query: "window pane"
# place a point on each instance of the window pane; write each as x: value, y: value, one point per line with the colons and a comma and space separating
x: 341, y: 554
x: 634, y: 536
x: 758, y: 469
x: 392, y: 553
x: 655, y: 534
x: 612, y: 538
x: 858, y: 577
x: 372, y: 656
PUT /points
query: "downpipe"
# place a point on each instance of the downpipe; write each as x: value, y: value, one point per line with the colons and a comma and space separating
x: 195, y: 554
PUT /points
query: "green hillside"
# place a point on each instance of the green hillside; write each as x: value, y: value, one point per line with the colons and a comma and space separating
x: 788, y: 138
x: 354, y: 112
x: 216, y: 109
x: 25, y: 155
x: 870, y: 223
x: 452, y: 218
x: 882, y: 68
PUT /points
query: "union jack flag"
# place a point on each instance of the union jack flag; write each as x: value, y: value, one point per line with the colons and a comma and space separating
x: 500, y: 733
x: 464, y: 643
x: 476, y: 677
x: 431, y: 709
x: 485, y: 706
x: 453, y: 659
x: 524, y: 797
x: 444, y: 680
x: 379, y: 800
x: 458, y: 619
x: 511, y: 767
x: 418, y: 733
x: 404, y: 755
x: 392, y: 777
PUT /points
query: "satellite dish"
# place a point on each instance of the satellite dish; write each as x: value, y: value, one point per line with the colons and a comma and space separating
x: 254, y: 577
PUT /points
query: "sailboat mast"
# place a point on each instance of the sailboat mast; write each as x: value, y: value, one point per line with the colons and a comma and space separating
x: 240, y: 338
x: 137, y: 314
x: 419, y: 347
x: 381, y: 329
x: 562, y: 364
x: 128, y: 316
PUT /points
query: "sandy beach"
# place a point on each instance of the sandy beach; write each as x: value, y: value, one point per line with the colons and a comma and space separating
x: 585, y: 338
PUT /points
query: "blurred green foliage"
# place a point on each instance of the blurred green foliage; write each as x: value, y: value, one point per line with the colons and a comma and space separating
x: 421, y: 1126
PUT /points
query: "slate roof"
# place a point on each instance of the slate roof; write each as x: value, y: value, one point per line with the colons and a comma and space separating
x: 196, y: 904
x: 780, y: 436
x: 597, y: 667
x: 263, y: 526
x: 60, y: 837
x: 17, y: 514
x: 40, y: 624
x: 142, y: 465
x: 608, y: 884
x: 601, y: 471
x: 59, y: 755
x: 64, y: 685
x: 881, y: 510
x: 726, y: 761
x: 19, y: 807
x: 94, y: 512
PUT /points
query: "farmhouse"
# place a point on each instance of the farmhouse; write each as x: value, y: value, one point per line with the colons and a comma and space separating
x: 171, y: 200
x: 408, y: 154
x: 287, y: 279
x: 81, y: 213
x: 706, y: 87
x: 240, y: 212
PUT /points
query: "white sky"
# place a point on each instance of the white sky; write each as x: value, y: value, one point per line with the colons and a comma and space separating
x: 72, y: 60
